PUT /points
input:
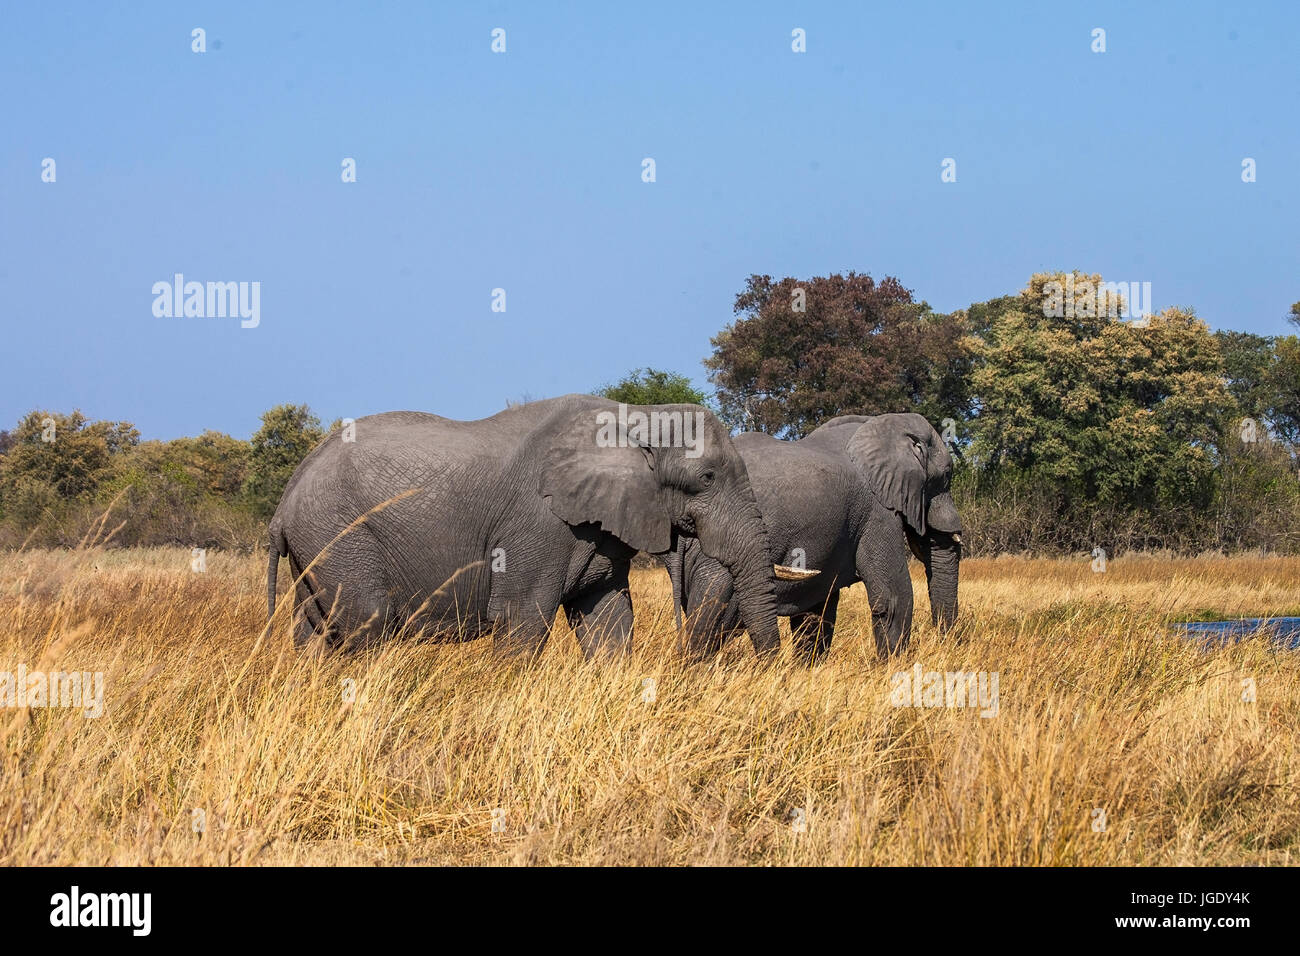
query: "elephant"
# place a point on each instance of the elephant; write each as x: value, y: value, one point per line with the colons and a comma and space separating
x: 850, y: 499
x: 426, y: 523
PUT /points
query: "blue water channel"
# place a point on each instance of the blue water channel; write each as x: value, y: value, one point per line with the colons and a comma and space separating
x: 1282, y: 631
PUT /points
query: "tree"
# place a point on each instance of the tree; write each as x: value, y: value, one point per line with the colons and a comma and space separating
x: 287, y: 435
x: 1264, y: 380
x: 54, y: 459
x: 649, y: 386
x: 803, y: 351
x: 1247, y: 363
x: 216, y: 463
x: 67, y: 452
x: 1282, y: 386
x: 1101, y: 414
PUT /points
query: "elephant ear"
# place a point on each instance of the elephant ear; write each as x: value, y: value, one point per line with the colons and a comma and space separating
x: 589, y: 480
x: 886, y: 451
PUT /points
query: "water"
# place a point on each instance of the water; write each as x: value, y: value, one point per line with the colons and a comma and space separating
x: 1282, y: 631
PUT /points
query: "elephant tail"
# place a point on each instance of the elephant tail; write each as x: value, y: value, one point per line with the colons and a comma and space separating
x: 275, y: 549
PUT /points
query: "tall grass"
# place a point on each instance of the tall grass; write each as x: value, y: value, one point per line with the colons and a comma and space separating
x: 219, y: 746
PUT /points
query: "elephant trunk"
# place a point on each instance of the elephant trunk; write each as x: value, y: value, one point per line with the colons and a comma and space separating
x: 756, y: 592
x: 743, y: 550
x: 944, y: 556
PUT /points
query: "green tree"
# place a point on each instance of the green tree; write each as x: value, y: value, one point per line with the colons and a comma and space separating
x: 67, y: 452
x: 287, y: 435
x: 1282, y: 386
x: 55, y: 459
x: 1102, y: 416
x: 1264, y: 379
x: 217, y: 461
x: 650, y: 386
x: 1247, y: 363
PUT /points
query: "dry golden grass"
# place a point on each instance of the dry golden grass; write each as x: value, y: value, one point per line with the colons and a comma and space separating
x: 1099, y: 708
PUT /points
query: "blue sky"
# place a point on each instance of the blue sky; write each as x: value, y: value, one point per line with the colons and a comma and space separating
x: 522, y: 171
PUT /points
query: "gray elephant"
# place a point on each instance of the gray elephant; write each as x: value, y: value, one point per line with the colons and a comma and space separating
x: 468, y: 526
x: 849, y: 499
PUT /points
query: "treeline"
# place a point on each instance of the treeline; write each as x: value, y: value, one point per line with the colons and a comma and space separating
x: 65, y: 481
x: 1073, y: 425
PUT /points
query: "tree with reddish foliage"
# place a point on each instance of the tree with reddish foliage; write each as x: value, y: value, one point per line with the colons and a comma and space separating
x: 803, y: 351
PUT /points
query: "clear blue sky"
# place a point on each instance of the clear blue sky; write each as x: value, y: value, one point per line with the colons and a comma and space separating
x: 523, y: 171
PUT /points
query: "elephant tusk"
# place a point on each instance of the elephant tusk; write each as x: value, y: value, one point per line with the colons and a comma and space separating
x: 786, y: 573
x: 957, y: 538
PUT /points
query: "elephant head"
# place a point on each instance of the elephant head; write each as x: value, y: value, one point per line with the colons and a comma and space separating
x: 909, y: 469
x: 647, y: 473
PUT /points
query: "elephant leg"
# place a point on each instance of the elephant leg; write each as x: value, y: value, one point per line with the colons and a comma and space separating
x: 602, y: 621
x: 519, y: 639
x: 306, y: 615
x: 368, y: 616
x: 882, y: 565
x: 812, y: 631
x: 711, y: 635
x: 342, y: 592
x: 303, y: 629
x: 360, y: 613
x: 711, y: 615
x: 361, y: 617
x: 522, y: 622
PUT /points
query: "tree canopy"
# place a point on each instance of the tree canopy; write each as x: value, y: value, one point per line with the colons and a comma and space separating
x: 287, y: 435
x: 650, y: 386
x: 802, y: 351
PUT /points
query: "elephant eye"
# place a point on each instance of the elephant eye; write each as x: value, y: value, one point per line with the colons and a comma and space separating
x: 707, y: 478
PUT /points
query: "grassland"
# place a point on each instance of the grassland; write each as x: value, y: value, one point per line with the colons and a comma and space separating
x: 1100, y: 709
